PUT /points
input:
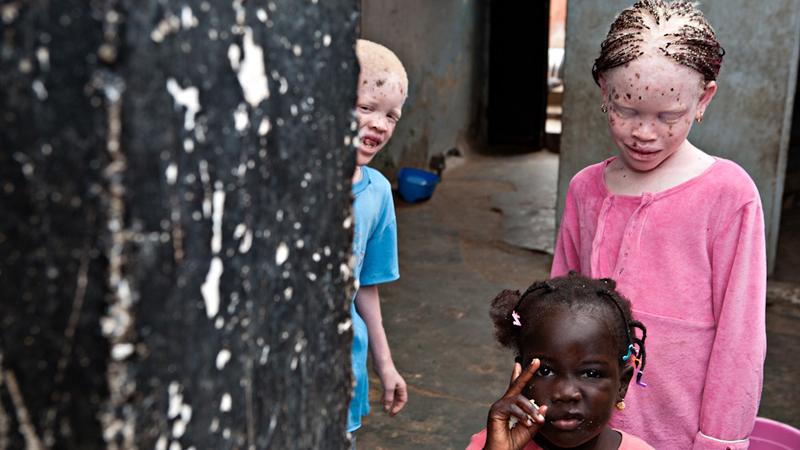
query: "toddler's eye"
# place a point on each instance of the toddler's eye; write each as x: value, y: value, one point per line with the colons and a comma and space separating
x: 591, y: 373
x: 364, y: 108
x: 544, y: 371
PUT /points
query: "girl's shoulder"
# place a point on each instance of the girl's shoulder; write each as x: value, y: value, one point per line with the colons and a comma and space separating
x: 729, y: 177
x: 590, y: 177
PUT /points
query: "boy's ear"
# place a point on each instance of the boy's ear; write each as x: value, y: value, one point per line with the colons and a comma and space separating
x: 624, y: 380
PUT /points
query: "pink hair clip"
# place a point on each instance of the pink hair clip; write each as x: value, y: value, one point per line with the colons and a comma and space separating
x: 515, y: 316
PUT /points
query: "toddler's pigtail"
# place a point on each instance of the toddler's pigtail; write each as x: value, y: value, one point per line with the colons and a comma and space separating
x: 501, y: 313
x: 641, y: 355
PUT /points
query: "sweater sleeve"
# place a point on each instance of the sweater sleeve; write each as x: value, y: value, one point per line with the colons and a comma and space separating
x: 566, y: 255
x: 735, y: 369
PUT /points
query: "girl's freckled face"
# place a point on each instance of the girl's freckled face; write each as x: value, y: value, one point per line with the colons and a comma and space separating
x: 646, y: 125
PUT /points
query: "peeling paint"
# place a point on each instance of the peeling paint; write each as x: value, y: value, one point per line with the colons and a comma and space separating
x: 250, y: 71
x: 188, y: 98
x: 223, y: 357
x: 225, y: 403
x: 210, y: 288
x: 282, y: 254
x: 218, y: 203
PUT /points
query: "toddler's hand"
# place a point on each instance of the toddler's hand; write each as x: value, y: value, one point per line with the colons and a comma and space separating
x: 499, y: 436
x: 395, y: 392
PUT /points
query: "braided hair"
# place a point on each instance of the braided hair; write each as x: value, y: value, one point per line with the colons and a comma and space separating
x: 513, y: 313
x: 677, y: 29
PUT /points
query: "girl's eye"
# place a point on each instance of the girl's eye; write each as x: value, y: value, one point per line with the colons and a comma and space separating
x: 670, y: 118
x: 625, y: 112
x: 544, y: 371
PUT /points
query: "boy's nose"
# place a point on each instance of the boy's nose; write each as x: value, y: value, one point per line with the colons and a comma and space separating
x: 380, y: 124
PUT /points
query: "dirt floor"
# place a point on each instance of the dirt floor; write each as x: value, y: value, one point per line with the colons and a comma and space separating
x: 455, y: 255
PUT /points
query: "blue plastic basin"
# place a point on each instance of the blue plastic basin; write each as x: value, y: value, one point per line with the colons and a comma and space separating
x: 415, y: 185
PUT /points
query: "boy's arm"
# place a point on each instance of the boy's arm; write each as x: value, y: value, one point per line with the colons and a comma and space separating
x: 395, y: 393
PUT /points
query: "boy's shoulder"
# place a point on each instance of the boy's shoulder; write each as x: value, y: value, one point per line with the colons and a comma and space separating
x: 377, y: 178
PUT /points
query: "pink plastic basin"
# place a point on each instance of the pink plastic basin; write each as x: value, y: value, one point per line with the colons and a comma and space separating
x: 770, y: 434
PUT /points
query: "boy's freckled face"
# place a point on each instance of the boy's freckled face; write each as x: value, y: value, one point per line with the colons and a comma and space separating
x: 652, y: 102
x: 378, y: 109
x: 579, y: 378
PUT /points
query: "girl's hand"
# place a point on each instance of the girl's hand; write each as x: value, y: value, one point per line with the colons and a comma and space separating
x: 514, y: 405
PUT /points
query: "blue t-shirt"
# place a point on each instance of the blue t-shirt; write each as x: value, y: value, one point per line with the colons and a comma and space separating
x: 375, y: 251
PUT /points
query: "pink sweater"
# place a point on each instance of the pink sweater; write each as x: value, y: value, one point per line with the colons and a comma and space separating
x: 628, y: 442
x: 692, y: 260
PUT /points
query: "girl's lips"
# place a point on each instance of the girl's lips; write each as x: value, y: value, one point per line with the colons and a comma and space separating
x: 641, y: 152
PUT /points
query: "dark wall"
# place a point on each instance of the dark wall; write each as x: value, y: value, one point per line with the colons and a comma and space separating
x: 175, y: 177
x: 517, y: 97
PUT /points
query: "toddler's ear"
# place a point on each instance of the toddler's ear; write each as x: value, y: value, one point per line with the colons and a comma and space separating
x: 624, y: 380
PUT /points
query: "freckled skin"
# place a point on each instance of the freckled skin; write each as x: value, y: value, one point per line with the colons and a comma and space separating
x: 655, y: 125
x: 378, y: 109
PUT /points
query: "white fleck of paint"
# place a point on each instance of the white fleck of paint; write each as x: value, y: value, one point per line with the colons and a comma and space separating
x: 298, y: 346
x: 287, y: 293
x: 178, y: 428
x: 279, y: 215
x: 226, y: 433
x: 264, y: 127
x: 284, y: 86
x: 293, y: 110
x: 250, y: 71
x: 282, y: 254
x: 186, y: 413
x: 348, y: 222
x: 262, y: 15
x: 175, y: 400
x: 175, y: 445
x: 223, y: 357
x: 225, y: 403
x: 304, y: 184
x: 39, y: 90
x: 316, y: 257
x: 161, y: 443
x: 235, y: 56
x: 326, y: 250
x: 43, y: 55
x: 121, y: 351
x: 214, y: 425
x: 300, y: 243
x: 188, y: 98
x: 311, y: 276
x: 188, y: 20
x: 172, y: 173
x: 326, y: 40
x: 297, y: 50
x: 219, y: 323
x: 210, y: 288
x: 264, y: 355
x: 240, y: 119
x: 218, y: 201
x: 239, y: 231
x: 348, y: 140
x: 345, y: 270
x: 188, y: 145
x: 344, y: 326
x: 247, y: 242
x: 294, y: 363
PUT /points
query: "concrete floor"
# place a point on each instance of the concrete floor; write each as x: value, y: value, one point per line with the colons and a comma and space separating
x: 457, y: 250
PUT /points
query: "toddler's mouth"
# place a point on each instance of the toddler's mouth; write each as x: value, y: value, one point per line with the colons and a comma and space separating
x: 567, y: 422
